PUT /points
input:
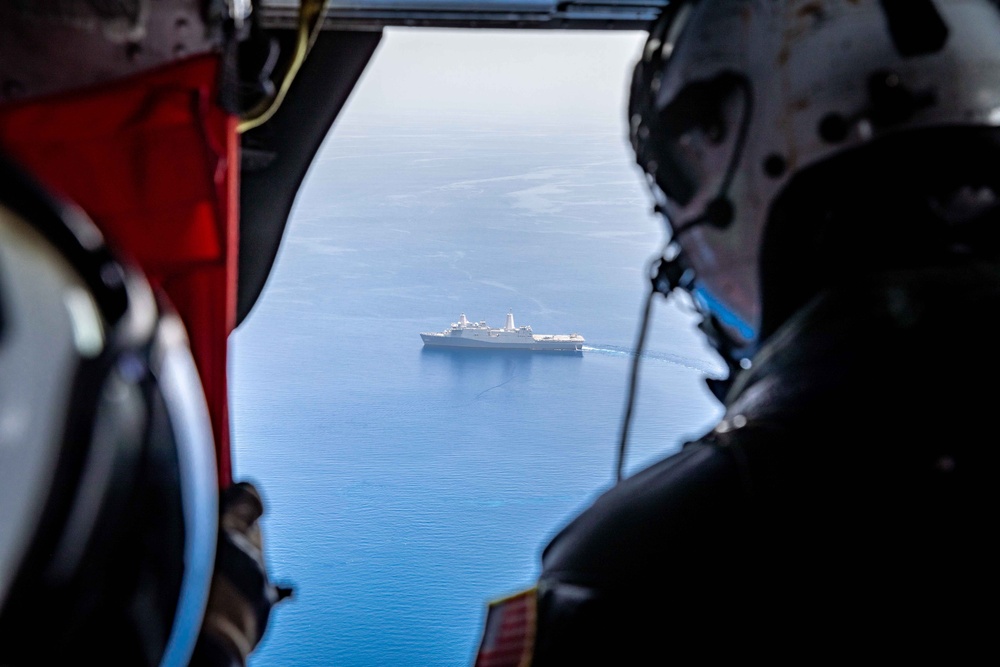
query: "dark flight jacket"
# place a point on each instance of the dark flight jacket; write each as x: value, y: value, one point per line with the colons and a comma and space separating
x: 845, y: 506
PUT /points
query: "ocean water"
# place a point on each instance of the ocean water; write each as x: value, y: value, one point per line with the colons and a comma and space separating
x: 406, y: 488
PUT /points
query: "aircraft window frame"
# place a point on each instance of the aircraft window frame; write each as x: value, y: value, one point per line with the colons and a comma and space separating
x: 514, y: 14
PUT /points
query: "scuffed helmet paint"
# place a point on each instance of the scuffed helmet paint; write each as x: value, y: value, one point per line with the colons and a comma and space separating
x: 732, y: 98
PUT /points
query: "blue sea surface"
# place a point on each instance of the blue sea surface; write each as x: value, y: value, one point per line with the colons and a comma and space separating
x: 406, y: 488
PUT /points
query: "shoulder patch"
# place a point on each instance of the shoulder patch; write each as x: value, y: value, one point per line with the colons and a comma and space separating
x: 509, y: 634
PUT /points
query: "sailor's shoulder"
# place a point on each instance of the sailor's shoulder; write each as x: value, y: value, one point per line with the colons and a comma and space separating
x: 651, y: 513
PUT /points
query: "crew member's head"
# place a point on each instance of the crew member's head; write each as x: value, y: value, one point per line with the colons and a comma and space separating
x: 796, y: 146
x: 108, y: 488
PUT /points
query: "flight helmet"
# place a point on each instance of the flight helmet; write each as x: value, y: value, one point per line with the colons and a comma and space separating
x: 794, y: 144
x: 108, y: 486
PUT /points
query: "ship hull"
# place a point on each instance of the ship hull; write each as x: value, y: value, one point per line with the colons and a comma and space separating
x: 545, y: 345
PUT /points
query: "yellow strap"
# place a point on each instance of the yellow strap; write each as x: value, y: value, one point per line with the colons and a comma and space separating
x: 311, y: 14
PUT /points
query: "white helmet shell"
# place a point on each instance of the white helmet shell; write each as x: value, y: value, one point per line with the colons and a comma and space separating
x: 108, y: 481
x: 733, y: 98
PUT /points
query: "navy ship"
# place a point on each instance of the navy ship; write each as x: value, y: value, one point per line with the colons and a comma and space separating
x: 479, y: 335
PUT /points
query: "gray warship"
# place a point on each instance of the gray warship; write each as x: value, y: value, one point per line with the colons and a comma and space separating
x: 479, y: 335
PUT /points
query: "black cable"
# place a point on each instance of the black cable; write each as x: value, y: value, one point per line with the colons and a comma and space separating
x: 634, y: 379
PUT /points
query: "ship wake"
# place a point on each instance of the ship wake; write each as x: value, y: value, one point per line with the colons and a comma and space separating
x: 654, y: 356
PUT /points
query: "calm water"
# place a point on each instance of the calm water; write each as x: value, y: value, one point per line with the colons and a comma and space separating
x: 406, y: 488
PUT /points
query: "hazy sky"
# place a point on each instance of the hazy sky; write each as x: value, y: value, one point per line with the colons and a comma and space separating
x: 542, y: 74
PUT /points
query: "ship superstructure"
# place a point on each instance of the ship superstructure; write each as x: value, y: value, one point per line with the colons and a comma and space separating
x: 478, y: 334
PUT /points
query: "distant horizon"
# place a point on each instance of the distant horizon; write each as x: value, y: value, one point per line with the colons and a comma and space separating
x: 562, y: 76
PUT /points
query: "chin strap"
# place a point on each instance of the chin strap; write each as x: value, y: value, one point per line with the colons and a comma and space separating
x: 718, y: 339
x: 667, y: 273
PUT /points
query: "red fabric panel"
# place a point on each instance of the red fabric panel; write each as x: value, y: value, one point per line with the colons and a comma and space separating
x: 509, y: 636
x: 154, y: 161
